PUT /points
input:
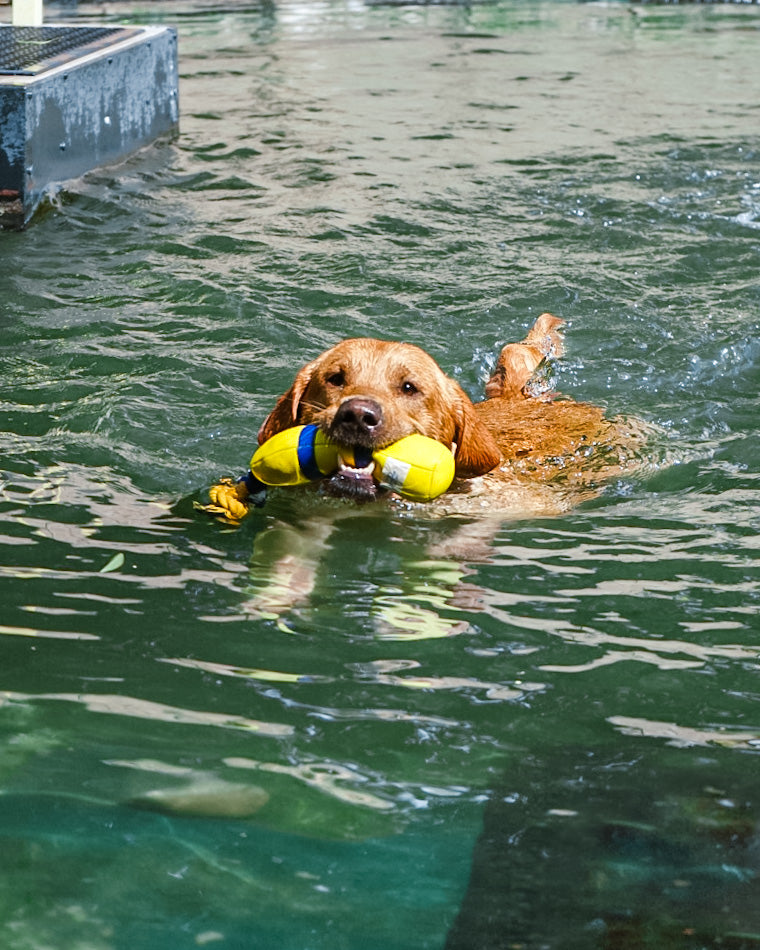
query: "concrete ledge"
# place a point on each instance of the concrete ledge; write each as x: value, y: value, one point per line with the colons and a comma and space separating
x: 94, y: 97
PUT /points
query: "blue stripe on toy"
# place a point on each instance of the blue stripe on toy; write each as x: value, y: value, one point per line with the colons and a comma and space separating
x: 307, y: 460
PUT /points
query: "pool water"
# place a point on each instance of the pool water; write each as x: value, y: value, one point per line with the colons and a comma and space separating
x: 338, y: 727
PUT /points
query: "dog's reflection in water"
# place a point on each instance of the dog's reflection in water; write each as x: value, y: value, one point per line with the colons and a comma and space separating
x: 411, y: 577
x: 412, y: 594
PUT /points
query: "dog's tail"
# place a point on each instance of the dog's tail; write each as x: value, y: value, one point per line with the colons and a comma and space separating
x: 518, y: 361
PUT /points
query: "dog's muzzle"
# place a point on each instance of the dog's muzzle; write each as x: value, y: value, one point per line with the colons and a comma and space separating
x: 358, y: 421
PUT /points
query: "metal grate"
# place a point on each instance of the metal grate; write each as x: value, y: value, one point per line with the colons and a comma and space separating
x: 30, y: 50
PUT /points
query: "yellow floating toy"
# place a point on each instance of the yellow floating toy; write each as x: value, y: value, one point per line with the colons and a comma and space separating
x: 295, y: 456
x: 416, y: 467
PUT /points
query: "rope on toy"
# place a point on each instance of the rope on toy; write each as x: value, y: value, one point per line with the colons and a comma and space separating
x: 231, y: 500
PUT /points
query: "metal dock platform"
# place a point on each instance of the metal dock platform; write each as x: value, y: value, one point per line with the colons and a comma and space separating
x: 73, y: 98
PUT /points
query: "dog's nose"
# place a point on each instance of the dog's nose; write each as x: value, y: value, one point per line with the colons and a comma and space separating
x: 359, y: 412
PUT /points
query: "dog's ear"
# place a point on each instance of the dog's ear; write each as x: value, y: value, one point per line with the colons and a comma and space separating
x: 476, y: 450
x: 285, y: 413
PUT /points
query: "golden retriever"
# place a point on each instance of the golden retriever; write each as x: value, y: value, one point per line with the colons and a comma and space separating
x: 519, y: 447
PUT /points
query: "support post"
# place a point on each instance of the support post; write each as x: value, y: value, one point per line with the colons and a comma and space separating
x: 27, y: 12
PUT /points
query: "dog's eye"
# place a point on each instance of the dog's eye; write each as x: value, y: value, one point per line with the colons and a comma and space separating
x: 337, y: 379
x: 408, y: 388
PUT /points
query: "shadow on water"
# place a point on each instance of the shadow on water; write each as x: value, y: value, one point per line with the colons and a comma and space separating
x: 596, y: 846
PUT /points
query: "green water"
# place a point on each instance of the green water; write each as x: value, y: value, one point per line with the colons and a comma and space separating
x: 552, y: 744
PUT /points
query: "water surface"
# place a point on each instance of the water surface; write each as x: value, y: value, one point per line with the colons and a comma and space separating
x: 549, y: 744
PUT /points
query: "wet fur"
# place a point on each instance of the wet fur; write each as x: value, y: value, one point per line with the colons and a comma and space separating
x: 515, y: 447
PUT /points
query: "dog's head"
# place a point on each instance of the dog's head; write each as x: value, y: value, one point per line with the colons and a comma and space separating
x: 366, y: 394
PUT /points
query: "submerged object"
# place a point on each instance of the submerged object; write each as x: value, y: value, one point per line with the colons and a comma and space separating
x: 205, y: 798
